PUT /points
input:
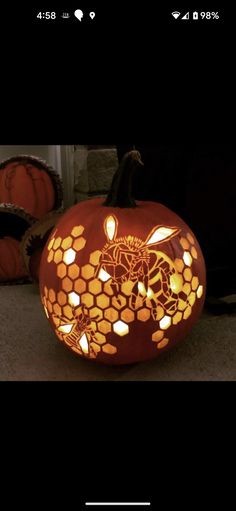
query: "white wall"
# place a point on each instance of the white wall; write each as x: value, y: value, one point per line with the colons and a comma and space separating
x: 50, y: 153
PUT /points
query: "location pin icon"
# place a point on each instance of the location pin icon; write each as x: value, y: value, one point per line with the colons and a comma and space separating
x: 92, y: 15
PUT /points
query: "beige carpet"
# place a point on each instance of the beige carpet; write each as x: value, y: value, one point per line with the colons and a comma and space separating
x: 30, y: 351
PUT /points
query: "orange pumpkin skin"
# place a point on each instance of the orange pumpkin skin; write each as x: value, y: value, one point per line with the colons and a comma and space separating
x: 121, y: 285
x: 27, y: 186
x: 11, y: 262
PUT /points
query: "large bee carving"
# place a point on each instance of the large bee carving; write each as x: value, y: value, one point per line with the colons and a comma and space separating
x: 152, y: 272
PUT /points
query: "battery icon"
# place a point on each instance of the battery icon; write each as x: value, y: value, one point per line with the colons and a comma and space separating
x: 195, y: 15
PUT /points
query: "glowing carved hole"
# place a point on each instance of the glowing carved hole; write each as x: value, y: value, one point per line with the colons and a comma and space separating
x: 194, y: 252
x: 121, y: 328
x: 74, y: 299
x: 76, y: 231
x: 65, y: 329
x: 83, y: 342
x: 161, y: 234
x: 110, y: 227
x: 187, y: 258
x: 51, y: 243
x: 199, y: 291
x: 176, y: 282
x: 141, y: 289
x: 165, y: 322
x: 150, y: 293
x: 103, y: 275
x: 190, y: 238
x: 46, y: 312
x: 69, y: 256
x: 162, y: 344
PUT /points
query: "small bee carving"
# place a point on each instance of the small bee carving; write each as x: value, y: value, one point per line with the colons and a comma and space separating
x: 132, y: 259
x: 79, y: 332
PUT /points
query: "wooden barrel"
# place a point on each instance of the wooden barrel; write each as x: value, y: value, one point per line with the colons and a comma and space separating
x: 14, y: 221
x: 34, y: 240
x: 29, y: 182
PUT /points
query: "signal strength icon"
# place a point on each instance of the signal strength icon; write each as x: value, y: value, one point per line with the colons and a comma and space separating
x: 176, y: 14
x: 186, y: 17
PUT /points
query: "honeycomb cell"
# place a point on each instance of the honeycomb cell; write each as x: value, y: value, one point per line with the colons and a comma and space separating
x: 67, y: 242
x: 96, y: 313
x: 56, y: 321
x: 127, y: 287
x: 67, y: 284
x: 95, y: 347
x: 88, y: 271
x: 184, y: 243
x: 95, y: 287
x: 187, y: 274
x: 165, y: 322
x: 57, y: 243
x: 127, y: 315
x: 108, y: 289
x: 109, y: 349
x: 194, y: 252
x: 157, y: 336
x: 69, y: 256
x: 187, y: 312
x: 182, y: 305
x: 162, y: 344
x: 159, y: 313
x: 95, y: 257
x: 100, y: 338
x: 187, y: 258
x: 121, y: 328
x: 111, y: 314
x: 104, y: 327
x: 87, y: 299
x: 46, y: 291
x: 77, y: 230
x: 67, y: 311
x: 143, y: 314
x: 177, y: 318
x: 52, y: 295
x: 74, y: 299
x: 192, y: 298
x: 176, y: 282
x: 118, y: 302
x: 58, y: 256
x: 94, y: 325
x: 79, y: 286
x: 79, y: 244
x: 186, y: 289
x: 57, y: 309
x: 61, y: 298
x: 103, y: 301
x: 73, y: 271
x: 50, y: 244
x: 179, y: 264
x: 190, y: 238
x: 49, y: 307
x: 139, y: 302
x: 61, y: 270
x: 195, y: 283
x: 50, y: 256
x: 199, y: 291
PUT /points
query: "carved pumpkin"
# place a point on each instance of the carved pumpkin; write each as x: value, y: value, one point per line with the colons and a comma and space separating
x: 14, y: 222
x: 30, y: 183
x: 122, y: 282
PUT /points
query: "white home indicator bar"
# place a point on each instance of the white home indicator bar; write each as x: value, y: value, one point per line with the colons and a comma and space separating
x: 117, y: 503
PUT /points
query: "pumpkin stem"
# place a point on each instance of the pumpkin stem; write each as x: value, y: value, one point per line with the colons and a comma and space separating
x: 120, y: 194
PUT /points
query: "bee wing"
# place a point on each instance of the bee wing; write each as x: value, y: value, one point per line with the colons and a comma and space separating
x: 110, y: 227
x: 161, y: 233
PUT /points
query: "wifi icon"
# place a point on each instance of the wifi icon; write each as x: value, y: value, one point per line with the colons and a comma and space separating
x: 176, y: 14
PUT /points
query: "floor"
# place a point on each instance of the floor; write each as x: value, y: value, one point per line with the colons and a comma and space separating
x: 29, y: 350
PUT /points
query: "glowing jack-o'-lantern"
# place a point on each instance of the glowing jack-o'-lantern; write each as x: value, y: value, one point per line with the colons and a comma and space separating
x: 121, y: 282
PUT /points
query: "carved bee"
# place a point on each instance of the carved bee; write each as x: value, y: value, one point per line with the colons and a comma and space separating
x: 132, y: 259
x: 79, y: 332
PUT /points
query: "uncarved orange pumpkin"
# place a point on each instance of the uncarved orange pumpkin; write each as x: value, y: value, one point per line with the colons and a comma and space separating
x: 29, y: 183
x: 121, y: 281
x: 11, y: 262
